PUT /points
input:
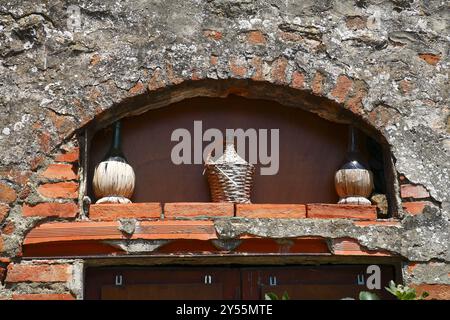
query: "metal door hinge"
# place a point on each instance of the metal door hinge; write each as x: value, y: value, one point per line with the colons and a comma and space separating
x: 119, y: 280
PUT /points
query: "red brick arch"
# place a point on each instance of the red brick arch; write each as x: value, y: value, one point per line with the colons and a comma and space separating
x: 62, y: 188
x: 339, y: 99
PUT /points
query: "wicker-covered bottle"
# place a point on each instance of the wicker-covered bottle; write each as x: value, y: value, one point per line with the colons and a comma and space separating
x: 114, y: 178
x: 353, y: 181
x: 230, y: 177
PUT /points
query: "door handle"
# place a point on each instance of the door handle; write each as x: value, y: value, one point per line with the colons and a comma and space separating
x: 208, y: 279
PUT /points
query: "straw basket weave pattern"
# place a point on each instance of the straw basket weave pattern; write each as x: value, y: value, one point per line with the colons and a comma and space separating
x: 230, y: 177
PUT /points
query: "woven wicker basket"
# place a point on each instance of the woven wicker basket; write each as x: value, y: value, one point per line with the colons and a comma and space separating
x: 230, y: 177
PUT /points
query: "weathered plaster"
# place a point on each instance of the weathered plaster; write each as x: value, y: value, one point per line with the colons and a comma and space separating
x: 54, y: 80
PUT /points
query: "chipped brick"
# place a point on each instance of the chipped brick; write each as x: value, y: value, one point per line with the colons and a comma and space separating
x: 197, y: 209
x: 279, y: 70
x: 59, y: 190
x: 69, y: 156
x: 413, y: 191
x: 60, y: 171
x: 256, y: 37
x: 342, y: 88
x: 430, y: 58
x: 298, y: 80
x: 317, y: 83
x: 63, y: 210
x: 38, y: 273
x: 7, y: 194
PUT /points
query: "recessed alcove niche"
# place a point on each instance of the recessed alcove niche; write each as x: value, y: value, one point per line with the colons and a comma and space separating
x: 311, y: 149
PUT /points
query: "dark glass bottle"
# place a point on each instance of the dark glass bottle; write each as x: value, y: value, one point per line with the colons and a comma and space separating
x: 354, y: 159
x: 115, y: 152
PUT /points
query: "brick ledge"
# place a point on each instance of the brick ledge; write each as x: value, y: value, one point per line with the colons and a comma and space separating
x: 105, y: 238
x: 210, y: 210
x: 181, y: 223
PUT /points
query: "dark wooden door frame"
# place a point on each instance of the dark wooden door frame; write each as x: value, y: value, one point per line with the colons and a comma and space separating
x: 230, y: 282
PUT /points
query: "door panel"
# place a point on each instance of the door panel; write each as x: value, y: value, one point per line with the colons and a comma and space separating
x: 175, y: 282
x: 222, y: 283
x: 312, y: 282
x: 193, y: 291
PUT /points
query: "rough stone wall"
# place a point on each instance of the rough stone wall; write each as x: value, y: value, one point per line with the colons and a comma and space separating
x: 385, y: 61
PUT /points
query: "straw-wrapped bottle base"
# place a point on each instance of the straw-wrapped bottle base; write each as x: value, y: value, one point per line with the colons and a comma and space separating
x: 230, y: 182
x: 113, y: 199
x: 354, y: 200
x: 113, y: 182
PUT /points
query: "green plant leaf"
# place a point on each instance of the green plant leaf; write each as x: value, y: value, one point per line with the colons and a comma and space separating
x: 392, y: 285
x: 366, y: 295
x: 285, y: 296
x: 270, y: 296
x: 409, y: 295
x: 424, y: 295
x: 394, y: 292
x: 404, y: 292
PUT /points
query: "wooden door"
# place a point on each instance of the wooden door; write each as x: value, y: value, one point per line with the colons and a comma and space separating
x: 322, y: 282
x: 170, y: 283
x: 177, y: 291
x: 327, y: 282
